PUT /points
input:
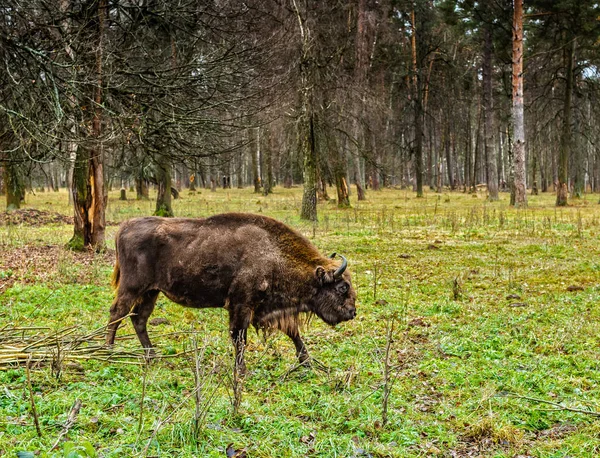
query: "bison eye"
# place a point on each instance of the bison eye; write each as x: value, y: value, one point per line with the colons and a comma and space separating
x: 342, y: 288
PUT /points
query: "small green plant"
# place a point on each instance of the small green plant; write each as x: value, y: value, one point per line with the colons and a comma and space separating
x: 6, y: 274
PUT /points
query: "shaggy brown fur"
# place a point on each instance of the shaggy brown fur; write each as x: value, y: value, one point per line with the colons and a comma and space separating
x: 260, y: 270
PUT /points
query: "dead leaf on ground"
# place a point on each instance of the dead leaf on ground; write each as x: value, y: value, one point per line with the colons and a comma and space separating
x: 159, y: 321
x: 233, y: 453
x: 575, y: 288
x: 419, y: 321
x: 558, y: 431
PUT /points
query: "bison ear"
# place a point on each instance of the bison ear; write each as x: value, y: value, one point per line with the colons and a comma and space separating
x: 323, y: 276
x: 320, y: 274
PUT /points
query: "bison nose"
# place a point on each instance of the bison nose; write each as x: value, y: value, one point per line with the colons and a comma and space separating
x: 352, y: 312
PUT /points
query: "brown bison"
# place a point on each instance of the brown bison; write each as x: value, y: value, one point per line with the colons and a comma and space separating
x: 260, y: 270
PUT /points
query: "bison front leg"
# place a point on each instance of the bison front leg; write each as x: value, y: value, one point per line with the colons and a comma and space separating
x: 239, y: 320
x: 301, y: 352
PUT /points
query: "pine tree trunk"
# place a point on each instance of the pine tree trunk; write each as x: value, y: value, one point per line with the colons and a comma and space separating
x: 418, y: 111
x: 488, y: 115
x: 520, y: 177
x: 255, y: 162
x: 448, y: 151
x: 562, y: 190
x: 268, y: 172
x: 578, y: 147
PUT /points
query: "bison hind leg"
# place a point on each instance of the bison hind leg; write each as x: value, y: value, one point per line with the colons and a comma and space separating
x: 140, y: 316
x: 140, y: 306
x: 119, y: 309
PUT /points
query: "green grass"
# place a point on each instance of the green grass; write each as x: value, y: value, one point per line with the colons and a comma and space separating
x: 460, y: 366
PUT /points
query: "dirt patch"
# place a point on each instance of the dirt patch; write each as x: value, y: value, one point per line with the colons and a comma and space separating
x: 49, y: 263
x: 33, y: 217
x: 558, y: 431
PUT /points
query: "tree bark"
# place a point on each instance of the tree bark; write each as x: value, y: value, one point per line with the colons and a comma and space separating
x: 520, y: 177
x: 268, y: 167
x: 306, y: 123
x: 81, y: 201
x: 14, y: 185
x: 255, y: 156
x: 309, y: 195
x: 488, y: 115
x: 88, y: 187
x: 163, y: 180
x: 418, y: 111
x: 566, y: 139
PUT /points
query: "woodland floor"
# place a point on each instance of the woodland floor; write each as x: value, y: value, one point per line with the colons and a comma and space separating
x: 494, y: 349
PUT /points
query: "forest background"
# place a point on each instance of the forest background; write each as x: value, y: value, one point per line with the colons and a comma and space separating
x: 445, y: 94
x: 448, y: 148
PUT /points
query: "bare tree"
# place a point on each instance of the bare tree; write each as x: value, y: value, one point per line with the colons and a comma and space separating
x: 520, y: 185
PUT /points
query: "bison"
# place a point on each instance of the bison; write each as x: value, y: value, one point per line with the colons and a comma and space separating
x: 261, y: 271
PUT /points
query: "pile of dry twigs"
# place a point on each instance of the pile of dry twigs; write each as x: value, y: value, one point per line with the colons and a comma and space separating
x: 40, y: 346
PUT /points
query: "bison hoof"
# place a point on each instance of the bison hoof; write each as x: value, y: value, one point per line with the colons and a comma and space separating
x: 149, y: 354
x: 304, y: 359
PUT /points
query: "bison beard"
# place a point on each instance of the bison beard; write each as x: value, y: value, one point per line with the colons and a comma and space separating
x: 260, y: 270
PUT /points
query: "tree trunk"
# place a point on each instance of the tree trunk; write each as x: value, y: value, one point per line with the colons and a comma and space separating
x: 2, y: 179
x: 534, y: 167
x: 488, y: 115
x: 268, y: 171
x: 418, y: 110
x: 342, y: 190
x: 448, y: 151
x: 360, y: 81
x: 306, y: 123
x: 309, y: 196
x: 255, y: 156
x: 520, y: 177
x: 15, y: 186
x: 566, y: 136
x: 88, y: 187
x: 81, y: 201
x: 578, y: 147
x: 141, y: 185
x: 468, y: 152
x: 163, y: 180
x: 477, y: 158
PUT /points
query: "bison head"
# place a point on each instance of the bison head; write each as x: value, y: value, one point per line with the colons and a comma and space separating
x: 335, y: 298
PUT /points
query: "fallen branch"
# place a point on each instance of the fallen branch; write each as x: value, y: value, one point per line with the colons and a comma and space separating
x: 71, y: 419
x: 559, y: 407
x: 32, y: 401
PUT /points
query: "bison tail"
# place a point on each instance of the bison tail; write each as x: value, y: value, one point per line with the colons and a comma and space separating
x: 116, y: 275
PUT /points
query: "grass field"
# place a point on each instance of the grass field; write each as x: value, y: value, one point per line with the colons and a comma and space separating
x: 488, y: 315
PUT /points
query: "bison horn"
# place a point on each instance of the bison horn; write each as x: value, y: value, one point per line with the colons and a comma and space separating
x: 338, y: 273
x: 332, y: 255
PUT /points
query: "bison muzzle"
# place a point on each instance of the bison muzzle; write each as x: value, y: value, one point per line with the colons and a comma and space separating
x: 260, y: 270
